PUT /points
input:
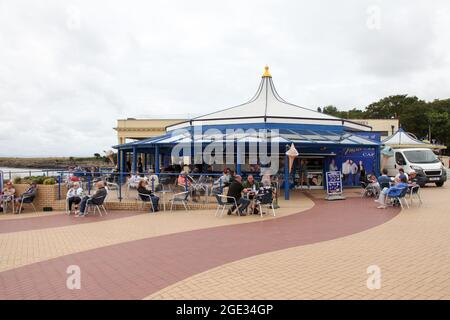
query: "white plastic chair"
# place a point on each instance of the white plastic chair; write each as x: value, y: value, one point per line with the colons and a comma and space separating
x: 222, y: 204
x: 180, y: 197
x: 96, y: 207
x: 143, y: 196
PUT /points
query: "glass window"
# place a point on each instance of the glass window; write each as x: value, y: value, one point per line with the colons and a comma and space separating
x: 421, y: 156
x: 399, y: 159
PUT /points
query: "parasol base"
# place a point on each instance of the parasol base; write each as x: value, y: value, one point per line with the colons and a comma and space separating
x: 334, y: 197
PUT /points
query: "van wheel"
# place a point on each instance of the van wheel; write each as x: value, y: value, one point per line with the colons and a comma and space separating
x: 439, y: 184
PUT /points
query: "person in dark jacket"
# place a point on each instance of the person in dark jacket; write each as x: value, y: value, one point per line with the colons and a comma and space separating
x: 235, y: 190
x: 28, y: 196
x: 144, y: 192
x: 97, y: 198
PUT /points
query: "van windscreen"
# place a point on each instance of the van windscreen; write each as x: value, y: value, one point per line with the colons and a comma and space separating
x: 421, y: 156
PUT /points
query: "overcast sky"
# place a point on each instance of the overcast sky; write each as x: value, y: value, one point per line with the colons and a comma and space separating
x: 69, y: 70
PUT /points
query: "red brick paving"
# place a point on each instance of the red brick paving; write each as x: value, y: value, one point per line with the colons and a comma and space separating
x: 136, y: 269
x: 60, y: 220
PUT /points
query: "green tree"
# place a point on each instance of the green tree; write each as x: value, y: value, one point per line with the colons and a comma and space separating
x: 331, y: 110
x: 389, y: 107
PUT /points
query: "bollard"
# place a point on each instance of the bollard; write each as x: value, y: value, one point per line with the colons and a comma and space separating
x: 120, y: 185
x: 59, y: 187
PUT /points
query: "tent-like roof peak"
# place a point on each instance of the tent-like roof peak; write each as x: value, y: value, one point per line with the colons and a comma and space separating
x: 268, y: 106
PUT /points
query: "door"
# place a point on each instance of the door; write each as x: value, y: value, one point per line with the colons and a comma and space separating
x: 310, y: 173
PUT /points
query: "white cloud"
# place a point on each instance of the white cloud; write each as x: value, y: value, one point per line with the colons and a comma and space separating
x: 69, y: 70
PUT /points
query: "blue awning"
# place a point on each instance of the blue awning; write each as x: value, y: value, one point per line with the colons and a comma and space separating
x: 284, y: 136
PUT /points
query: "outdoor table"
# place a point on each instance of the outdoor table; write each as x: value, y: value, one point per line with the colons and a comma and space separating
x: 252, y: 200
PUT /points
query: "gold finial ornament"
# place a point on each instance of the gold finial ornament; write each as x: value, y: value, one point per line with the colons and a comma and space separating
x: 266, y: 72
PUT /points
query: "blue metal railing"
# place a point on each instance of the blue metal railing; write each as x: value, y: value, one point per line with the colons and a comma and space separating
x: 62, y: 177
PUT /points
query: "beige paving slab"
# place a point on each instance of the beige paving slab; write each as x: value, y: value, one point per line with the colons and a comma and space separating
x: 412, y: 251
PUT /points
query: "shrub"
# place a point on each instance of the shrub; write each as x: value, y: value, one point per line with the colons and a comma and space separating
x: 49, y: 181
x: 35, y: 179
x: 17, y: 180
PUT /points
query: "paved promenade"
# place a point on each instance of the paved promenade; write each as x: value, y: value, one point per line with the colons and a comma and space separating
x: 312, y: 249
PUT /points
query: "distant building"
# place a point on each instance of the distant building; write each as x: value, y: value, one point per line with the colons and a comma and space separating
x: 385, y: 127
x: 138, y: 129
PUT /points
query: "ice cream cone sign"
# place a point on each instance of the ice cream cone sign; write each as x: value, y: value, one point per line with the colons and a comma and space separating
x: 292, y: 153
x: 386, y: 152
x: 110, y: 156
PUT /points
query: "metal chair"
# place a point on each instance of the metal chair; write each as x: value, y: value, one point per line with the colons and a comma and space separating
x: 222, y: 203
x: 369, y: 190
x: 146, y: 198
x: 181, y: 197
x: 112, y: 186
x: 131, y: 185
x: 400, y: 198
x: 27, y: 200
x: 414, y: 191
x: 266, y: 199
x: 384, y: 185
x: 98, y: 206
x: 6, y: 200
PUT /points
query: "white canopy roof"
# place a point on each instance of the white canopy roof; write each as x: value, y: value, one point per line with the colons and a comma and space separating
x: 267, y: 106
x: 403, y: 139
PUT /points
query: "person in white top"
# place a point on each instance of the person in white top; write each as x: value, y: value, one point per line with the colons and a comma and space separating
x: 74, y: 195
x: 353, y: 171
x: 133, y: 181
x: 153, y: 180
x: 346, y: 170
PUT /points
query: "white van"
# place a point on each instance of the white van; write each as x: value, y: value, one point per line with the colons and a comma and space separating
x: 423, y: 161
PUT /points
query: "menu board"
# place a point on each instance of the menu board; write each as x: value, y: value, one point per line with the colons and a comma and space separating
x: 334, y: 183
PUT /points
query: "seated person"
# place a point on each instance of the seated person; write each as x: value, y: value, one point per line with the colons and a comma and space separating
x: 265, y: 195
x: 27, y: 196
x: 415, y: 179
x: 224, y: 180
x: 235, y: 190
x: 393, y: 191
x: 373, y: 183
x: 74, y: 195
x: 266, y: 179
x: 251, y: 184
x: 384, y: 180
x: 144, y: 190
x: 184, y: 179
x: 97, y: 198
x: 153, y: 180
x: 401, y: 172
x: 8, y: 194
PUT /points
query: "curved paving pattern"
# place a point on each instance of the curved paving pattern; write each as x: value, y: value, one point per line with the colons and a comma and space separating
x: 136, y: 269
x: 412, y: 252
x: 59, y: 220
